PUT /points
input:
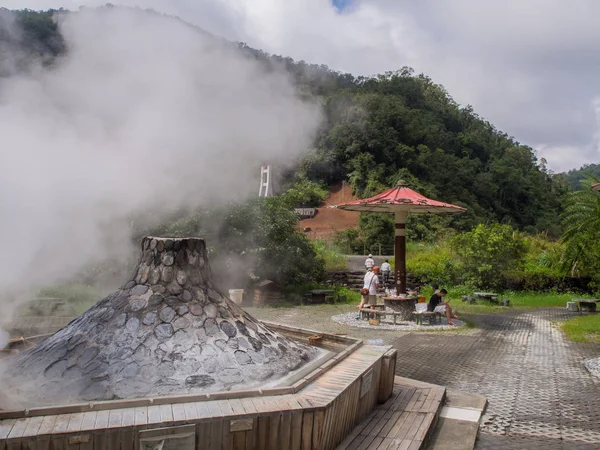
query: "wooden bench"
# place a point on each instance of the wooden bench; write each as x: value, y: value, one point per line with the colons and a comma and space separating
x: 367, y: 313
x: 490, y: 296
x: 587, y: 304
x: 429, y: 315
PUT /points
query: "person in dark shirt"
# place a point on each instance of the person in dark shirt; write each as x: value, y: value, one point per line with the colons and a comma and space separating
x: 437, y: 304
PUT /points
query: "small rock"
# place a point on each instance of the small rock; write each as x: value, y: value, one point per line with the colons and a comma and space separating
x: 167, y: 274
x: 167, y: 258
x: 138, y: 304
x: 149, y: 318
x: 182, y: 310
x: 228, y: 329
x: 240, y: 326
x: 199, y: 381
x: 186, y: 296
x: 196, y: 310
x: 181, y: 277
x: 132, y: 324
x: 143, y: 273
x: 163, y: 331
x: 211, y: 311
x: 154, y: 276
x: 121, y: 319
x: 139, y: 290
x: 166, y: 314
x: 221, y: 344
x: 181, y: 322
x: 172, y: 301
x: 174, y: 288
x: 158, y: 289
x: 210, y: 326
x: 242, y: 357
x: 256, y: 344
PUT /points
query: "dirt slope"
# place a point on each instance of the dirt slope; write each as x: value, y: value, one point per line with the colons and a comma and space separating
x: 329, y: 220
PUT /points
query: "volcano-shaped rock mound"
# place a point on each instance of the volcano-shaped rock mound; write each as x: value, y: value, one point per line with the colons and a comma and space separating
x: 167, y: 331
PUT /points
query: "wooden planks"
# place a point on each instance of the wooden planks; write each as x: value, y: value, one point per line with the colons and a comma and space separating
x: 402, y: 422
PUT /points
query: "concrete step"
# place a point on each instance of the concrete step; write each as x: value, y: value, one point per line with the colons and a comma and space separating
x: 458, y: 423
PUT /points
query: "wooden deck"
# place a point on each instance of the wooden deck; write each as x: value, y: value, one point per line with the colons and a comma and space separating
x: 403, y: 422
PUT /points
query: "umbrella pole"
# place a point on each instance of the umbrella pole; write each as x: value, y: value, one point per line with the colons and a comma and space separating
x: 400, y: 251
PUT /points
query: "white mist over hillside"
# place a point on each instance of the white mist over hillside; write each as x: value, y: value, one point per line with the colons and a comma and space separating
x: 145, y: 113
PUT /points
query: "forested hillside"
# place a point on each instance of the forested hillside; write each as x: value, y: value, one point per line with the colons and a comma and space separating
x: 393, y: 126
x: 576, y: 176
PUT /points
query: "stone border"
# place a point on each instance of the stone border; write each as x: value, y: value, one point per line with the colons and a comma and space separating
x: 350, y: 320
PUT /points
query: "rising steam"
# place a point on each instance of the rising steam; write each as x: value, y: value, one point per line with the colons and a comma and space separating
x: 143, y: 113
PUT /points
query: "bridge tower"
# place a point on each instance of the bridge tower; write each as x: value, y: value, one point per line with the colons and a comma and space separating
x: 266, y: 186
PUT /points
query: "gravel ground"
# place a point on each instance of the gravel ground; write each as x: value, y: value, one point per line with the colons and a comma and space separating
x: 388, y: 324
x: 593, y: 365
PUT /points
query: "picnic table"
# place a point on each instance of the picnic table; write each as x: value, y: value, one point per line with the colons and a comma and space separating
x: 403, y: 305
x: 491, y: 296
x: 318, y: 295
x: 587, y: 304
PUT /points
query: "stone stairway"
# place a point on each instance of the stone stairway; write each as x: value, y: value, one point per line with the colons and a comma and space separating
x: 458, y: 423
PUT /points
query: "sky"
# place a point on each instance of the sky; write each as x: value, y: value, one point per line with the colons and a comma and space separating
x: 530, y: 68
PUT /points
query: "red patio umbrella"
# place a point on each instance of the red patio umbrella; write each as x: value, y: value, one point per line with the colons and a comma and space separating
x: 401, y: 201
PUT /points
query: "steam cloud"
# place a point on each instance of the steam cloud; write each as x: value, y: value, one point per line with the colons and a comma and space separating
x: 144, y: 113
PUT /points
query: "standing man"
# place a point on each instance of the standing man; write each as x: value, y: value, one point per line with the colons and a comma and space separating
x: 370, y: 262
x: 437, y: 304
x: 370, y: 286
x: 385, y: 272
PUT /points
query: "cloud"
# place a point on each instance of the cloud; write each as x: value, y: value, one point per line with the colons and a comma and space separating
x: 149, y: 116
x: 531, y: 68
x: 528, y: 67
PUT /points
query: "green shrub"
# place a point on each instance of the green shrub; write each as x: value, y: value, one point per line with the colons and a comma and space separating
x: 432, y: 263
x: 487, y: 252
x: 349, y: 242
x: 305, y: 194
x: 328, y: 254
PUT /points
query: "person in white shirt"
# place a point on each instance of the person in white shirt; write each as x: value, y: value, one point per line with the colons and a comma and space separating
x: 370, y: 262
x: 370, y: 282
x: 385, y: 272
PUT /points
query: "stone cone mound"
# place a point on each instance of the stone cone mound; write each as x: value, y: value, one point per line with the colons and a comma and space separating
x: 167, y: 331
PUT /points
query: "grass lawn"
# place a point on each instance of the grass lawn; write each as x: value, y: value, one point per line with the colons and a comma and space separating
x: 583, y: 328
x: 77, y: 295
x: 518, y: 300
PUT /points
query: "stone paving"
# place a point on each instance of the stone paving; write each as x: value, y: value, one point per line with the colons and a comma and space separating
x: 540, y: 394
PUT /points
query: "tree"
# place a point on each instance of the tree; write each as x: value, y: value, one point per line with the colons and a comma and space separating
x: 581, y: 223
x: 487, y: 252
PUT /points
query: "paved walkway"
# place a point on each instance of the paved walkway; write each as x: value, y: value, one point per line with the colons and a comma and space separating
x: 540, y: 395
